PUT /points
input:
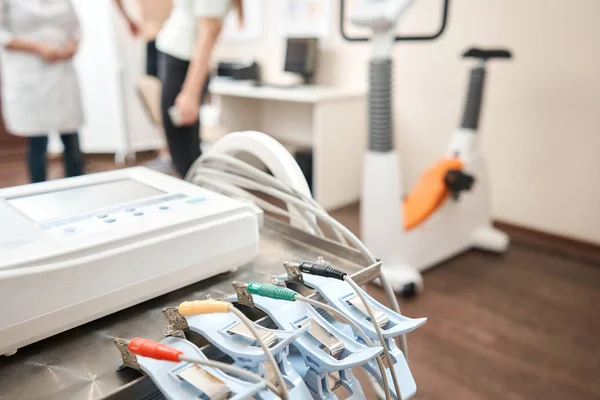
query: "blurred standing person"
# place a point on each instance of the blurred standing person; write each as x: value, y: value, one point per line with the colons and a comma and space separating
x: 185, y: 46
x: 40, y: 92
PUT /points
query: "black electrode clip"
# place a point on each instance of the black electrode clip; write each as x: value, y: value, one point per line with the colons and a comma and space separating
x: 323, y: 270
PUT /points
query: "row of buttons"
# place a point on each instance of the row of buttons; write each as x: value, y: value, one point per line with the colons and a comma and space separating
x: 107, y: 220
x: 129, y: 210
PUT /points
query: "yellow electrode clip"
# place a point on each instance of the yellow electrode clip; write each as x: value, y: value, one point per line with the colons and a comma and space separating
x: 189, y: 308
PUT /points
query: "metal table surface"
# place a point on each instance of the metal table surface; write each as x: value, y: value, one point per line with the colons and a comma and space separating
x: 81, y: 363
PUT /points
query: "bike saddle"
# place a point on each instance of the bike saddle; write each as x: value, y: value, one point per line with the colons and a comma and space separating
x: 482, y: 54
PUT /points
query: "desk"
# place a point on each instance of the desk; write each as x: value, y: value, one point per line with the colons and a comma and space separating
x: 330, y: 121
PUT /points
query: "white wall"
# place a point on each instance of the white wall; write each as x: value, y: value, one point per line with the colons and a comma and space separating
x: 541, y: 120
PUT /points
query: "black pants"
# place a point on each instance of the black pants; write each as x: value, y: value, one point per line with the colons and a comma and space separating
x: 36, y: 156
x: 183, y: 141
x: 151, y: 59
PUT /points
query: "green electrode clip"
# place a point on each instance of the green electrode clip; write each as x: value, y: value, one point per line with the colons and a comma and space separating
x: 272, y: 291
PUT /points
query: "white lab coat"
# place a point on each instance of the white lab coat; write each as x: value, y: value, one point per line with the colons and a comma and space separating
x: 38, y: 97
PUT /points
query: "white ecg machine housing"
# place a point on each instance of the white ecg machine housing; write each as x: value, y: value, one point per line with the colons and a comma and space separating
x: 74, y: 250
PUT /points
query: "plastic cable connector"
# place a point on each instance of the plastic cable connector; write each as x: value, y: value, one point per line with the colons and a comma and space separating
x: 322, y: 270
x: 272, y: 291
x: 151, y: 349
x: 188, y: 308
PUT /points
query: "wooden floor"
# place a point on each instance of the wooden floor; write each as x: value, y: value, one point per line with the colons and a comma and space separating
x: 524, y: 325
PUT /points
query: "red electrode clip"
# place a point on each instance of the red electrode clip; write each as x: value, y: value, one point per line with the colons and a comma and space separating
x: 151, y: 349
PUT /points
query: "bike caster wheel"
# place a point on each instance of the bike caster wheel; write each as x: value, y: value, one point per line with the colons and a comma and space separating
x: 409, y: 290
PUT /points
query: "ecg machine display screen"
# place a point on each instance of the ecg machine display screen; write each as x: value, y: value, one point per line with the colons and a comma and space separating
x: 82, y: 199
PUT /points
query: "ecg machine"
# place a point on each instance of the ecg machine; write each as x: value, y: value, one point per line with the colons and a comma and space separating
x: 74, y: 250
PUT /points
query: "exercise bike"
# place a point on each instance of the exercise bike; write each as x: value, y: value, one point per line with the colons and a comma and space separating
x: 448, y: 209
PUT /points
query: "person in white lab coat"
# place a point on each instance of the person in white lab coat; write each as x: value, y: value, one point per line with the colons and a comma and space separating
x: 40, y: 92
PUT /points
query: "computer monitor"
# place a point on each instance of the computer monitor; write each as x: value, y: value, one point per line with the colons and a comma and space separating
x: 301, y: 57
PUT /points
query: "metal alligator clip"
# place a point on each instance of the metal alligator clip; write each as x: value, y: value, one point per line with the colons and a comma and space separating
x: 380, y: 317
x: 188, y: 381
x: 322, y: 351
x: 267, y: 336
x: 329, y: 343
x: 341, y: 295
